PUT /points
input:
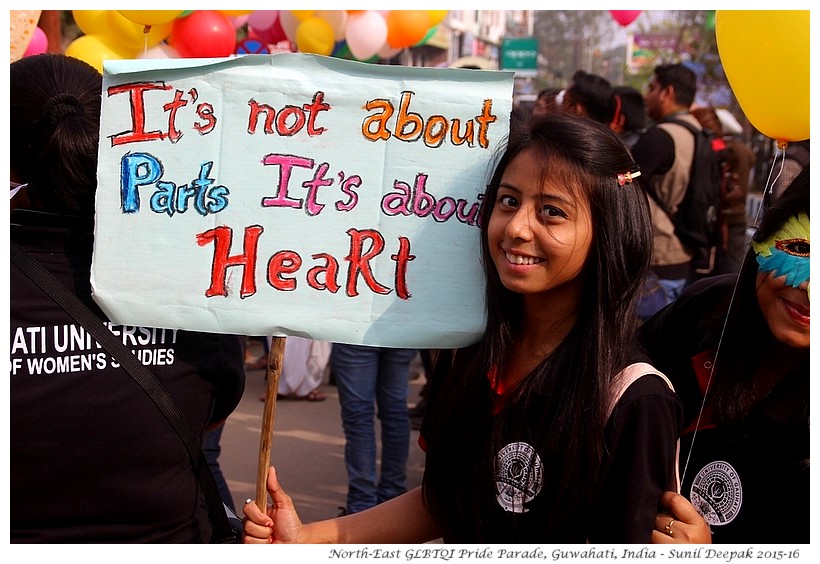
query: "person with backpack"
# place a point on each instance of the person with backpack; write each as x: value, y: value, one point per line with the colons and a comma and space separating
x: 671, y: 153
x: 736, y: 161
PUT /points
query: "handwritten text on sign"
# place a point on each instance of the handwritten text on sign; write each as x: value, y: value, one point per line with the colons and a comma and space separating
x: 296, y: 195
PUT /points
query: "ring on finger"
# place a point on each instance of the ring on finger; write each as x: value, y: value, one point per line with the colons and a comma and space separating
x: 668, y: 528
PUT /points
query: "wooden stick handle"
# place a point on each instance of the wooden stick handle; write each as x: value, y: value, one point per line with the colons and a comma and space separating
x: 274, y: 370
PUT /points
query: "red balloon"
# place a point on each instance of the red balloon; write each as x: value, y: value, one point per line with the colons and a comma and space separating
x: 203, y: 33
x: 625, y: 17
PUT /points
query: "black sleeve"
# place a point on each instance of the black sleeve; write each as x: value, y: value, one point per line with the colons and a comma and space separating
x: 683, y: 329
x: 230, y: 384
x: 217, y: 359
x: 640, y: 463
x: 654, y: 152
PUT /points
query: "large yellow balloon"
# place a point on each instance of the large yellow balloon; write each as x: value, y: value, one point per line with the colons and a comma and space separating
x: 315, y: 35
x: 94, y: 49
x: 151, y: 17
x: 765, y: 54
x: 120, y: 32
x: 91, y: 21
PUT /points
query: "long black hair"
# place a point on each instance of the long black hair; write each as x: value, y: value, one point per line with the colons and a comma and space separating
x: 55, y: 121
x: 559, y: 407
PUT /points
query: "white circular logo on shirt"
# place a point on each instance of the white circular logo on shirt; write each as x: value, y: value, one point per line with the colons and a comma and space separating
x: 519, y: 476
x: 716, y: 493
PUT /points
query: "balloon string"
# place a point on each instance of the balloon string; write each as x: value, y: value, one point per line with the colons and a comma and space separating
x: 145, y: 31
x: 779, y: 154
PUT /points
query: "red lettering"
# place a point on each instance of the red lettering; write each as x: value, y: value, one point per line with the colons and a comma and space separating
x: 283, y: 262
x: 313, y: 109
x: 173, y: 133
x: 222, y: 238
x: 360, y: 261
x: 402, y: 258
x: 282, y: 127
x: 253, y: 116
x: 206, y: 112
x: 137, y: 132
x: 330, y: 270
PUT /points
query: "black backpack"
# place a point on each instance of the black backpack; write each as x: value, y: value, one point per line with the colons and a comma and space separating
x: 696, y: 220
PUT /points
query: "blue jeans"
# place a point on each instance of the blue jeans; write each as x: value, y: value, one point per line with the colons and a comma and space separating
x: 673, y: 288
x: 212, y: 450
x: 373, y: 381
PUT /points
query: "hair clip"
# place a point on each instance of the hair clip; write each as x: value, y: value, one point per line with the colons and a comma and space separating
x: 627, y: 177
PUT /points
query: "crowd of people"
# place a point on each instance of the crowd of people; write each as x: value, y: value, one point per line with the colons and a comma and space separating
x: 615, y: 396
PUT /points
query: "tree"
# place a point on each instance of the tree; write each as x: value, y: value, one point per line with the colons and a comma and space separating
x: 569, y: 40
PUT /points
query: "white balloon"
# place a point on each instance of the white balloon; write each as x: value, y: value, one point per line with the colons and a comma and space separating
x: 366, y: 34
x: 160, y: 51
x: 289, y: 24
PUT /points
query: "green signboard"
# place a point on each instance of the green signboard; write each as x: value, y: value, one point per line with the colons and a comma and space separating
x: 520, y: 54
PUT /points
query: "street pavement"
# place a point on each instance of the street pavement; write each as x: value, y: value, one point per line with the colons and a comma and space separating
x: 307, y: 448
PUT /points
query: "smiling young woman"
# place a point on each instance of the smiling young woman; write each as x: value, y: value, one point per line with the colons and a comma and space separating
x: 520, y: 444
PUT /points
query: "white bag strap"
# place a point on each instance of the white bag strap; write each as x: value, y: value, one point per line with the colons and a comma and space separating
x: 621, y: 383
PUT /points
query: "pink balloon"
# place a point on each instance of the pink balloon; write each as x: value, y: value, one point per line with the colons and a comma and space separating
x: 265, y: 25
x: 38, y: 43
x: 625, y: 17
x: 262, y: 19
x: 365, y: 34
x: 238, y: 21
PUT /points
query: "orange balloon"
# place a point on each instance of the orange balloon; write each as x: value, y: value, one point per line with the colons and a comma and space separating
x: 302, y: 15
x: 406, y: 27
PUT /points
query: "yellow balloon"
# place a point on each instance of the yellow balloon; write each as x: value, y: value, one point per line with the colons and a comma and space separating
x: 765, y: 54
x: 437, y: 16
x: 235, y: 12
x: 132, y: 35
x: 302, y: 15
x: 94, y: 49
x: 315, y: 35
x: 91, y: 21
x: 151, y: 17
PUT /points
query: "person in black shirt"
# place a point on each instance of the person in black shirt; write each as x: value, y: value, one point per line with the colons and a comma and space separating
x: 92, y: 458
x: 520, y: 446
x: 736, y: 347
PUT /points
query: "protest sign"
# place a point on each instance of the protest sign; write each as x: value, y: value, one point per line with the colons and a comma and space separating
x: 295, y: 194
